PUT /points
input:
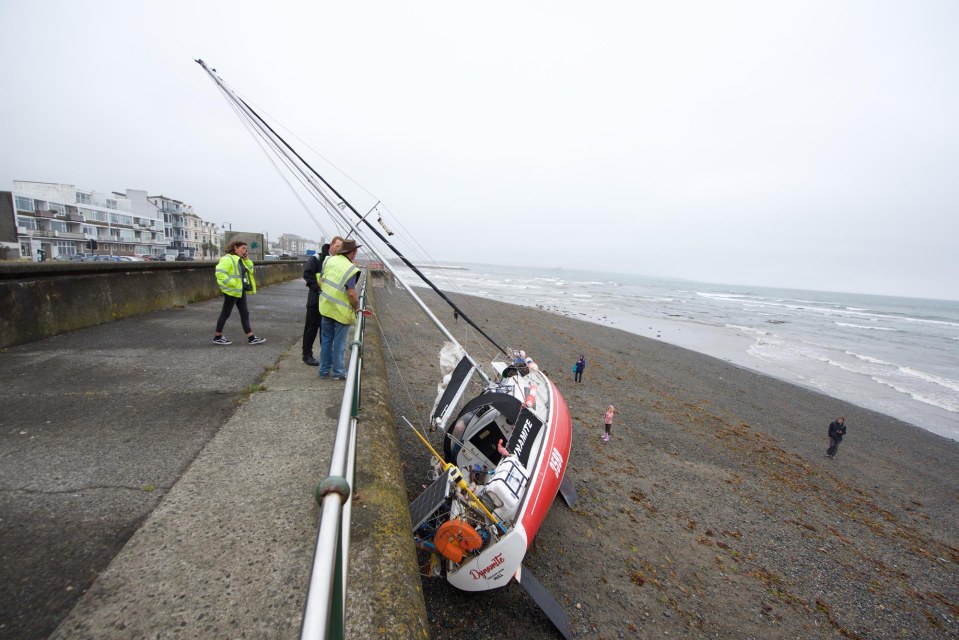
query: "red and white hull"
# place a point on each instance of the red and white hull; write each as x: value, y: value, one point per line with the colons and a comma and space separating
x: 544, y: 458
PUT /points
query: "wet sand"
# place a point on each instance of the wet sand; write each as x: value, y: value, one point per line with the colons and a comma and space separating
x: 713, y: 511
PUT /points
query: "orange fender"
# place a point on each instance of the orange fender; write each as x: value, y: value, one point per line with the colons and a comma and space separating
x: 454, y: 538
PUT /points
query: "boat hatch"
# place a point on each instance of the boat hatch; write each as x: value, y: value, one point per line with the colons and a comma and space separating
x: 485, y: 442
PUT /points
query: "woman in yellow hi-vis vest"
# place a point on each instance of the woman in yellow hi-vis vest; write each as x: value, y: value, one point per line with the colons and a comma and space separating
x: 339, y: 304
x: 234, y: 275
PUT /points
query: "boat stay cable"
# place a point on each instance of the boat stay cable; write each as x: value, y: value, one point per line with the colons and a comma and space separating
x: 231, y: 95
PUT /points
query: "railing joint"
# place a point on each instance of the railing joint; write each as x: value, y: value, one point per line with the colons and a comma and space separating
x: 332, y: 484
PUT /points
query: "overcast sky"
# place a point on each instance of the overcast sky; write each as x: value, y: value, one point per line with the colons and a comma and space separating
x: 798, y: 144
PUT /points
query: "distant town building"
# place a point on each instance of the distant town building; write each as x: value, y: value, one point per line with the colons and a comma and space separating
x: 43, y: 220
x: 174, y: 224
x: 294, y: 245
x: 59, y: 219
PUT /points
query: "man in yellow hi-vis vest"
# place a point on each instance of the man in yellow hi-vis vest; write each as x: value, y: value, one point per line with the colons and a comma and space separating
x: 339, y: 304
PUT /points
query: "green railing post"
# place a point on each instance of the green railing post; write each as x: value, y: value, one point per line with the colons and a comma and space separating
x: 337, y: 628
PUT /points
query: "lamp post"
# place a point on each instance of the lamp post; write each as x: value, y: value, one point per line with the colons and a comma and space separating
x: 223, y: 240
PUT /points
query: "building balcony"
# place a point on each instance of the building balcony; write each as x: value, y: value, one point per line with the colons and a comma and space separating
x: 69, y: 235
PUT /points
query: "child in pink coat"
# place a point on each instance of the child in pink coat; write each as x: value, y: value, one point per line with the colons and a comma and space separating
x: 608, y: 421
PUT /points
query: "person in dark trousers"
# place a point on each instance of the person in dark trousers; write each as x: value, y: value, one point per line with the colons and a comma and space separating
x: 578, y: 368
x: 339, y: 304
x: 311, y: 268
x: 234, y: 275
x: 837, y: 430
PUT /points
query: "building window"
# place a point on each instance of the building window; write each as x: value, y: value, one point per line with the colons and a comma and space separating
x: 57, y: 225
x: 24, y: 204
x: 59, y: 209
x: 26, y: 223
x: 65, y: 248
x: 111, y: 203
x: 83, y: 198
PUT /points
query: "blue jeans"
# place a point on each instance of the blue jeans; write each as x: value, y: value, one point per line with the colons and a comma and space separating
x: 332, y: 343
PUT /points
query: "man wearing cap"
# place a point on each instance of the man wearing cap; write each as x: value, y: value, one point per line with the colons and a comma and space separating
x: 311, y: 269
x: 339, y: 304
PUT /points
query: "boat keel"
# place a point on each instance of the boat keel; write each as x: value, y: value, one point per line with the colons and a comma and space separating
x: 547, y: 603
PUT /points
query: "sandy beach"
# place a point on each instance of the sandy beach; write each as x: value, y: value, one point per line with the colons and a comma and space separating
x: 713, y: 511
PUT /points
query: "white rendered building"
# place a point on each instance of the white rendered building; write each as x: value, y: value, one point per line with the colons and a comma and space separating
x: 60, y: 220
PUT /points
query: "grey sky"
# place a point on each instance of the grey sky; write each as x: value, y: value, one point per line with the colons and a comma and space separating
x: 802, y: 144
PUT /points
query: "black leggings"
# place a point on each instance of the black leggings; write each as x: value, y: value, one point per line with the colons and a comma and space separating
x: 228, y: 304
x: 833, y: 447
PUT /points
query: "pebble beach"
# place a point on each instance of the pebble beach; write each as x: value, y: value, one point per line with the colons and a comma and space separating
x: 712, y: 512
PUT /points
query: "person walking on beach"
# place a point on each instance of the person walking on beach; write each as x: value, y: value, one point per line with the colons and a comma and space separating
x: 311, y: 268
x: 608, y: 421
x: 578, y: 368
x: 234, y: 275
x: 339, y: 304
x: 837, y: 430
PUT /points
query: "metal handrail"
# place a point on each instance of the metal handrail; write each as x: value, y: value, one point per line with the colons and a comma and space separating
x: 324, y: 614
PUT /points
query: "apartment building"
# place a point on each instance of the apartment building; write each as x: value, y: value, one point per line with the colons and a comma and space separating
x: 52, y: 220
x: 60, y: 219
x: 173, y: 214
x: 294, y: 245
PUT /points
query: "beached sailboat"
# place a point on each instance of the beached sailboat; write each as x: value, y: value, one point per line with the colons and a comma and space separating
x: 505, y: 452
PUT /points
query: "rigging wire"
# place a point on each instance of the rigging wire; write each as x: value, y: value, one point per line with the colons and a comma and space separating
x: 323, y: 198
x: 404, y: 384
x: 449, y: 282
x: 272, y: 157
x: 262, y: 130
x: 307, y: 145
x: 267, y: 128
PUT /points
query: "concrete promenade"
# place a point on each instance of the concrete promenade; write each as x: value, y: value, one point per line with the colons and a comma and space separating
x: 153, y: 484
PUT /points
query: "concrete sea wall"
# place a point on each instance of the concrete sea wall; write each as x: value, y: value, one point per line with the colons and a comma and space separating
x: 46, y: 299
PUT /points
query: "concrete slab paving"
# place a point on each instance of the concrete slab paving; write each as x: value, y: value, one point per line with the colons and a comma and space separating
x: 155, y: 485
x: 227, y: 553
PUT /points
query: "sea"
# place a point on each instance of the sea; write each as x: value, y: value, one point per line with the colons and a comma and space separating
x: 897, y: 356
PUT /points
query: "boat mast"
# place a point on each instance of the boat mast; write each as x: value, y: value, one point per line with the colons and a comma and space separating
x: 276, y: 141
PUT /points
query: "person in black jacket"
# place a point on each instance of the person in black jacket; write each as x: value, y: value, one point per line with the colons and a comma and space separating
x: 837, y: 430
x: 313, y: 266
